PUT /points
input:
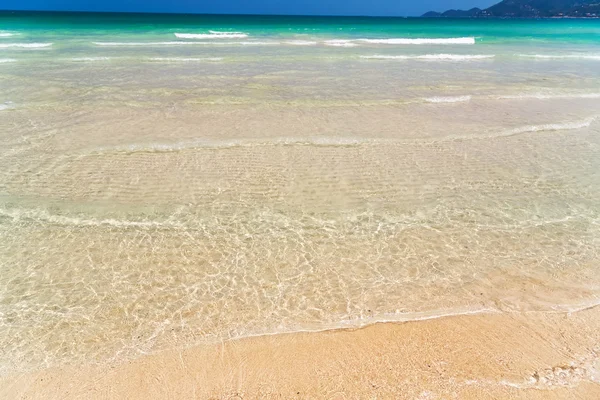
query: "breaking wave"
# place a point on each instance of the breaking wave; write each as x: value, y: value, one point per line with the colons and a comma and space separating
x: 25, y: 45
x: 212, y: 35
x: 461, y: 40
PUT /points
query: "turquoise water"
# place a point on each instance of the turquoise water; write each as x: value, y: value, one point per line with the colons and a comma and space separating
x: 167, y: 181
x: 497, y: 31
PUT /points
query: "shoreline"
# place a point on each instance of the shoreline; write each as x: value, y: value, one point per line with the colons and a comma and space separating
x: 493, y: 355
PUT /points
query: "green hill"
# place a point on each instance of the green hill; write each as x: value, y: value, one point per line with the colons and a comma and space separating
x: 529, y: 9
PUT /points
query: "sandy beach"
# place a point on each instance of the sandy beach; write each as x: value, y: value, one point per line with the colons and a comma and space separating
x: 226, y: 207
x: 500, y: 356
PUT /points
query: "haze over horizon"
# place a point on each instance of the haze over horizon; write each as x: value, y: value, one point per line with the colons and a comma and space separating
x: 264, y: 7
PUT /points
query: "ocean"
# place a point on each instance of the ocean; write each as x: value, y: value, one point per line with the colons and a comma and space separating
x: 169, y: 180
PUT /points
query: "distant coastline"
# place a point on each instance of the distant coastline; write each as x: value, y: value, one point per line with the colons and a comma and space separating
x: 587, y: 9
x: 178, y: 16
x: 474, y: 13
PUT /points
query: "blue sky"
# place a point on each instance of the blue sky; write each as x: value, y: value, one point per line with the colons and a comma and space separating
x: 302, y: 7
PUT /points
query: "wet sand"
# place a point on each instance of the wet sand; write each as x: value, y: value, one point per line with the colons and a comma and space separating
x: 503, y: 355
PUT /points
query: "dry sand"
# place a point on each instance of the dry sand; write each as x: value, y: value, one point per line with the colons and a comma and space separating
x: 506, y: 355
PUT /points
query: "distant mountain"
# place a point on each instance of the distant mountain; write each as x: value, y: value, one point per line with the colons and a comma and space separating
x: 529, y: 9
x: 473, y: 12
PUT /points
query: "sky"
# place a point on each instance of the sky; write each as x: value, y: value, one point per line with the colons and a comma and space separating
x: 283, y: 7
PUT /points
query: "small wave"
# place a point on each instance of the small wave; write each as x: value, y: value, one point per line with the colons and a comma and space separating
x: 254, y: 43
x: 182, y: 59
x: 563, y: 56
x: 301, y: 42
x: 7, y: 60
x: 225, y: 32
x: 212, y: 35
x: 6, y: 106
x: 545, y: 96
x: 462, y: 40
x: 228, y: 144
x: 38, y: 215
x: 448, y: 57
x: 25, y: 45
x: 564, y: 126
x: 340, y: 43
x: 182, y: 43
x: 120, y: 44
x: 90, y: 59
x: 550, y: 127
x: 6, y: 34
x: 448, y: 99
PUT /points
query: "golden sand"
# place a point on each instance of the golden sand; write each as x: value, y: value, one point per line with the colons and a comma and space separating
x: 500, y: 356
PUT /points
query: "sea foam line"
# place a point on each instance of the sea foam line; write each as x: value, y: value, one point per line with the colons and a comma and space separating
x: 6, y: 106
x: 90, y: 59
x: 551, y: 127
x: 564, y: 126
x: 212, y: 35
x: 177, y: 43
x: 563, y: 56
x: 418, y: 41
x: 448, y: 99
x: 228, y: 144
x: 6, y: 34
x: 183, y: 59
x: 44, y: 216
x: 7, y: 60
x: 442, y: 57
x: 182, y: 43
x: 301, y: 42
x: 340, y: 43
x: 25, y: 45
x: 543, y: 96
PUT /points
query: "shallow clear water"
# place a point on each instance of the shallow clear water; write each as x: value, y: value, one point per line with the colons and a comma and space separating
x: 283, y: 174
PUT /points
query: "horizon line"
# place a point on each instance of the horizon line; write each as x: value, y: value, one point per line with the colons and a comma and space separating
x: 207, y: 14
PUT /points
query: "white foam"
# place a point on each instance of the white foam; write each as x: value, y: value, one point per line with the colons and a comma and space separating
x: 448, y: 99
x: 255, y: 43
x: 563, y: 126
x: 44, y: 216
x: 6, y: 34
x: 182, y: 59
x: 225, y: 32
x: 25, y: 45
x: 212, y: 35
x: 6, y: 106
x: 340, y: 43
x: 227, y: 144
x: 7, y: 60
x: 562, y: 56
x: 443, y: 57
x: 301, y: 42
x: 550, y: 127
x: 546, y: 96
x: 462, y: 40
x: 118, y: 44
x: 183, y: 43
x: 90, y: 59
